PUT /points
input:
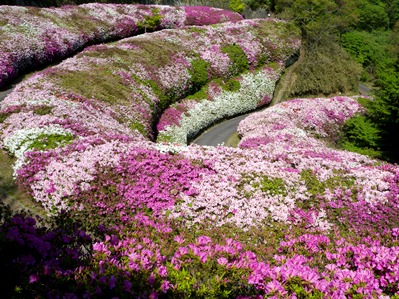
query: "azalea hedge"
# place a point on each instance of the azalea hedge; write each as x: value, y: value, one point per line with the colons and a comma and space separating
x: 218, y: 100
x: 251, y: 222
x: 122, y: 88
x: 282, y: 216
x: 32, y: 37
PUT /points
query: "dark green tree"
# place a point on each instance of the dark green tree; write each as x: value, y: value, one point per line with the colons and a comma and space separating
x: 384, y: 111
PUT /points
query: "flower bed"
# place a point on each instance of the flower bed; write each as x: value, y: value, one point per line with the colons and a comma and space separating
x: 216, y: 101
x: 120, y: 88
x: 30, y: 37
x: 283, y: 216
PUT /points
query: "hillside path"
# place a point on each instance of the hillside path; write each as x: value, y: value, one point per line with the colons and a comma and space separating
x: 221, y: 132
x: 5, y: 92
x: 288, y: 78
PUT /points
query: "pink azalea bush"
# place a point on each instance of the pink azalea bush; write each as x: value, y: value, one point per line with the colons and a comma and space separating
x: 77, y: 97
x: 282, y: 216
x: 32, y: 36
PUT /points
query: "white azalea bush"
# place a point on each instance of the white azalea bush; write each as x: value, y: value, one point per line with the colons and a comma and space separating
x: 255, y: 89
x: 35, y: 138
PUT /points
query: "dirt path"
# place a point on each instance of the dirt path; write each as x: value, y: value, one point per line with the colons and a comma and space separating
x: 287, y: 80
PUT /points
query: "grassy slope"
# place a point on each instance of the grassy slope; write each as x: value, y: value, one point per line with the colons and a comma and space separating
x: 9, y: 191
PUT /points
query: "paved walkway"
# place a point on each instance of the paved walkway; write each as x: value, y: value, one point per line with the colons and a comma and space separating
x: 4, y: 93
x: 219, y: 133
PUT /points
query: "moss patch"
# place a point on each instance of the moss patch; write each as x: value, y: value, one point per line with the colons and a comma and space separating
x: 233, y: 140
x: 317, y: 188
x: 100, y: 84
x: 199, y: 73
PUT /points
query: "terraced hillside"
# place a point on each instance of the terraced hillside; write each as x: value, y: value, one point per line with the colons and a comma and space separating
x: 282, y: 216
x: 31, y: 37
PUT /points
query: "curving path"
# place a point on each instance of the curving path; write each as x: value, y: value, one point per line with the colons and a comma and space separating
x: 219, y: 133
x: 5, y: 92
x: 288, y: 78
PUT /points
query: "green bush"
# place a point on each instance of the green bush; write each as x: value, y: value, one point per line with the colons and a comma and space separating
x: 361, y: 132
x: 231, y: 85
x: 199, y: 73
x: 150, y: 22
x: 325, y: 70
x: 238, y: 59
x: 259, y: 4
x: 369, y: 49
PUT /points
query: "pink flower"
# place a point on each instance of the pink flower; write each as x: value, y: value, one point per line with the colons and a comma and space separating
x: 33, y: 278
x: 162, y: 271
x: 203, y: 257
x: 179, y: 239
x: 203, y: 240
x: 222, y: 261
x: 165, y: 286
x: 153, y: 295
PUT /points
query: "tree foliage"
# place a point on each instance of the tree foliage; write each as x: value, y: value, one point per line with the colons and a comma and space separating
x: 326, y: 70
x: 237, y: 6
x: 258, y: 4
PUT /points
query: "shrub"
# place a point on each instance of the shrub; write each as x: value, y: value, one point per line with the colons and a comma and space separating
x: 360, y: 132
x: 326, y: 70
x: 150, y: 23
x: 199, y: 73
x: 238, y: 58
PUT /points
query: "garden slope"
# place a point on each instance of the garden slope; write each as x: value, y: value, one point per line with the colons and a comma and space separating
x: 283, y: 215
x: 30, y: 37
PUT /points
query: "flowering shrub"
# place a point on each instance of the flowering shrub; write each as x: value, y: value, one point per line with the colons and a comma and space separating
x: 41, y: 261
x: 200, y: 15
x: 216, y: 101
x: 35, y: 36
x: 282, y: 216
x: 125, y: 86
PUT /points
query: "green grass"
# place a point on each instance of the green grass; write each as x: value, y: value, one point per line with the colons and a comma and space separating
x: 233, y: 140
x: 10, y: 193
x: 279, y: 86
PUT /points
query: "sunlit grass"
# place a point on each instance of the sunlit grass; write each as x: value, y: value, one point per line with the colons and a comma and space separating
x: 9, y: 191
x: 233, y: 140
